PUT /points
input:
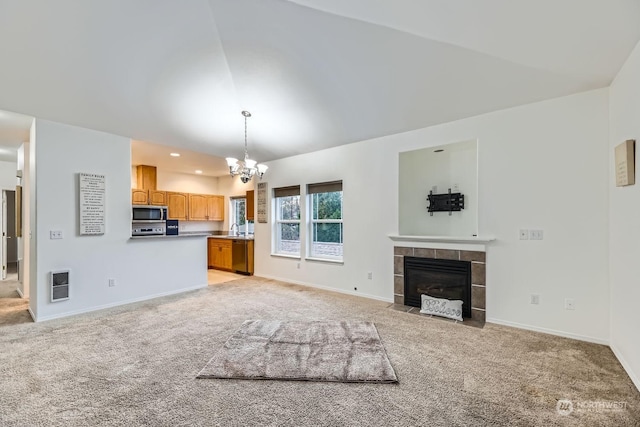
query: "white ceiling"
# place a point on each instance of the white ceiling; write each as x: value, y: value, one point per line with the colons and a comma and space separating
x: 147, y: 153
x: 314, y: 73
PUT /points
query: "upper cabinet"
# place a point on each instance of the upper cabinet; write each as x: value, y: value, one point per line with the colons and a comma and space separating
x: 178, y: 205
x: 205, y: 207
x: 148, y: 197
x: 157, y: 197
x: 182, y: 206
x: 198, y: 207
x: 250, y: 205
x: 215, y: 208
x: 146, y: 177
x: 139, y: 197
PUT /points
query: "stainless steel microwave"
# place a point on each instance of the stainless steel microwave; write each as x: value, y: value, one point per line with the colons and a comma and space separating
x: 148, y: 213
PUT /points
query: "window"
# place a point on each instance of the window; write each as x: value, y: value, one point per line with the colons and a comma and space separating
x: 238, y: 205
x: 238, y: 216
x: 325, y: 220
x: 287, y: 224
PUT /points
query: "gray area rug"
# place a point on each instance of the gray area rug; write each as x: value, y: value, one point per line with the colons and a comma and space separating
x: 305, y: 351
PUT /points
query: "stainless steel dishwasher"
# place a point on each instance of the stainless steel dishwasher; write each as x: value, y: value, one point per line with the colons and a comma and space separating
x: 239, y: 256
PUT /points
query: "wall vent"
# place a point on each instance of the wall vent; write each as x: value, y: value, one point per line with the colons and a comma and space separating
x: 59, y: 285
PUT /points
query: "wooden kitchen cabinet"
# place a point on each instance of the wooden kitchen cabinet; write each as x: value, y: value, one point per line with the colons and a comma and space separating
x: 178, y: 204
x: 215, y: 208
x: 219, y: 254
x: 146, y: 177
x: 139, y: 197
x: 206, y: 207
x: 250, y: 205
x: 158, y: 198
x: 250, y: 257
x: 197, y: 207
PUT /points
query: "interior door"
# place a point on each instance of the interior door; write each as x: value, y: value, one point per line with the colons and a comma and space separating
x: 4, y: 234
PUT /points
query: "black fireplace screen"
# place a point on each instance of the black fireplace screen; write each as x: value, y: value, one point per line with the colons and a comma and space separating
x: 439, y: 278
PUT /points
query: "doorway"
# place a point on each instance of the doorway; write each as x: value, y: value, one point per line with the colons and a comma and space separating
x: 9, y: 238
x: 13, y: 308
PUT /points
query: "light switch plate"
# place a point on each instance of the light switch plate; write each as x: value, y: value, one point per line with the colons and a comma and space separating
x: 536, y: 234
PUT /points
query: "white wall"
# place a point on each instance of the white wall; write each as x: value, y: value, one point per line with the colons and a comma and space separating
x: 8, y: 175
x: 421, y: 170
x: 540, y: 166
x: 624, y: 205
x: 29, y: 221
x: 20, y: 166
x: 8, y: 182
x: 142, y: 268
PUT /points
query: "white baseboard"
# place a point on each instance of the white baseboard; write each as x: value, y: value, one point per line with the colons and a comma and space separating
x: 20, y: 292
x: 116, y: 304
x: 327, y: 288
x: 33, y: 316
x: 549, y: 331
x: 634, y: 378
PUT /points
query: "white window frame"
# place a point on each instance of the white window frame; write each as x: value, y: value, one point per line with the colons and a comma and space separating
x: 310, y: 255
x: 278, y: 222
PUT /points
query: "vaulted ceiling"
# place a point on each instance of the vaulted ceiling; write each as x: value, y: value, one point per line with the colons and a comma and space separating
x: 314, y: 73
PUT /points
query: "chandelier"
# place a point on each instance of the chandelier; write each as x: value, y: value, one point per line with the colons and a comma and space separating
x: 247, y: 168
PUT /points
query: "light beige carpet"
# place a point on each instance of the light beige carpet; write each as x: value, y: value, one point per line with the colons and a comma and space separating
x: 303, y: 350
x: 135, y: 365
x: 13, y: 309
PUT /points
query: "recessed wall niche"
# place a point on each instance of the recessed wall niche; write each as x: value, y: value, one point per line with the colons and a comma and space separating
x: 438, y: 168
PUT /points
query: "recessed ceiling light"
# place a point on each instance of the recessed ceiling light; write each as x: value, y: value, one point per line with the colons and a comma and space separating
x: 198, y: 171
x: 175, y: 154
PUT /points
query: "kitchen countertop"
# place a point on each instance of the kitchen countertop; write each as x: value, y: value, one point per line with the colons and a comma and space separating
x: 225, y: 236
x: 174, y: 236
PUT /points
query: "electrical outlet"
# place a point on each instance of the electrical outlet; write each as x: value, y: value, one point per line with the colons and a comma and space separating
x: 536, y: 234
x: 569, y: 304
x: 112, y: 282
x: 524, y: 234
x: 369, y: 275
x: 535, y: 299
x: 55, y: 234
x: 456, y: 189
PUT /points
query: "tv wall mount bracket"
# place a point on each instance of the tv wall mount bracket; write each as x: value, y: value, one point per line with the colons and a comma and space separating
x: 447, y: 202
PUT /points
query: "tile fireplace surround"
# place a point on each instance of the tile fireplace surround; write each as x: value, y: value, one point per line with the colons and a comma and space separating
x: 478, y: 277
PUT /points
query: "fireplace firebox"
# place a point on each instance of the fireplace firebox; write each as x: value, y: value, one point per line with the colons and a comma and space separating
x: 439, y: 278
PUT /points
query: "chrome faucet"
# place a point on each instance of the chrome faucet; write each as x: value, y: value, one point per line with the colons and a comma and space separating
x: 237, y: 229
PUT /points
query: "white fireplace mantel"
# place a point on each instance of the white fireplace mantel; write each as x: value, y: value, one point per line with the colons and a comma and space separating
x: 482, y: 240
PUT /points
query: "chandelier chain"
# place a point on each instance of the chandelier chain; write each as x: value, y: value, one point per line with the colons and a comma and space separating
x: 246, y: 151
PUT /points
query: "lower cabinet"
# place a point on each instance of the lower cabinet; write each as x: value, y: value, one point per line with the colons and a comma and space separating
x: 219, y: 254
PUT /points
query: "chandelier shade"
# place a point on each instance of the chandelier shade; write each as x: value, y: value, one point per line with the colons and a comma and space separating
x: 246, y: 168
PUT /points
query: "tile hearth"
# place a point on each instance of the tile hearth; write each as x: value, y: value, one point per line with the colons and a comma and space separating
x: 478, y: 279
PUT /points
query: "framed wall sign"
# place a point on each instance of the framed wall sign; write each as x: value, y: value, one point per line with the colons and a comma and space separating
x: 262, y: 202
x: 92, y: 203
